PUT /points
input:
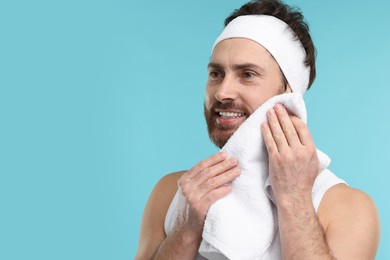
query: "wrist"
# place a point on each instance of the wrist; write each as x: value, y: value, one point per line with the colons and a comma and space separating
x: 186, y: 236
x: 294, y: 202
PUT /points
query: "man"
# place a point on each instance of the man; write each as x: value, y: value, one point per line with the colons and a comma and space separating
x: 243, y: 75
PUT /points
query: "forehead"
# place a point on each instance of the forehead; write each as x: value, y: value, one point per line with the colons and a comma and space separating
x: 241, y: 50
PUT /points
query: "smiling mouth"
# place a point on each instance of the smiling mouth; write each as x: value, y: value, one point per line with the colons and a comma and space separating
x: 230, y: 114
x: 229, y: 118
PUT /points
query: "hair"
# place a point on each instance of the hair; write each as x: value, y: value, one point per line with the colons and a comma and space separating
x: 291, y: 16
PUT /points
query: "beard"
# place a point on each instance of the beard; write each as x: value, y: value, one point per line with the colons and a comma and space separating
x: 219, y: 134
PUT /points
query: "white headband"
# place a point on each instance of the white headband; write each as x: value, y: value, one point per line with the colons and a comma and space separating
x: 279, y: 39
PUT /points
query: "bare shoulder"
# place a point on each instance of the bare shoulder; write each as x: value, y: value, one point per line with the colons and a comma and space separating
x: 342, y: 200
x: 351, y: 222
x: 152, y: 226
x: 163, y: 193
x: 170, y: 181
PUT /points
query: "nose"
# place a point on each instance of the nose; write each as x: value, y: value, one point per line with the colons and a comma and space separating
x: 226, y: 91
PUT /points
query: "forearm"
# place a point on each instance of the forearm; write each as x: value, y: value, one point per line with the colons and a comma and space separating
x: 301, y: 234
x: 180, y: 244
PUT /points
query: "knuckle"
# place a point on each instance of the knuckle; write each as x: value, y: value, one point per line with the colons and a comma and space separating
x: 212, y: 183
x: 212, y: 197
x: 223, y: 166
x: 184, y: 186
x: 229, y: 174
x: 220, y: 193
x: 207, y: 171
x: 311, y: 149
x: 225, y: 163
x: 201, y: 165
x: 273, y: 152
x: 233, y: 173
x: 276, y: 158
x: 303, y: 129
x: 299, y: 155
x: 185, y: 192
x: 278, y: 136
x: 289, y: 158
x: 269, y: 143
x: 290, y: 132
x: 180, y: 182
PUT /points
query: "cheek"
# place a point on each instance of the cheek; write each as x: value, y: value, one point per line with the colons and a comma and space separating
x: 253, y: 101
x: 209, y: 98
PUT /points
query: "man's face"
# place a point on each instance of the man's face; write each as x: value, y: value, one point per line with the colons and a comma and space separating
x: 242, y: 75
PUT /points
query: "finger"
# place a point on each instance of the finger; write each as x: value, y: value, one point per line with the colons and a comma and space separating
x: 211, y: 161
x: 214, y: 195
x: 218, y: 181
x: 276, y: 129
x: 268, y: 139
x: 287, y: 126
x: 302, y: 131
x: 213, y: 171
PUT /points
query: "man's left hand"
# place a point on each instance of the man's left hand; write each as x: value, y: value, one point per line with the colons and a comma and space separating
x: 293, y: 160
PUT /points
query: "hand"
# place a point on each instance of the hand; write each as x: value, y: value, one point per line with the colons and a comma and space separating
x: 293, y: 160
x: 201, y: 186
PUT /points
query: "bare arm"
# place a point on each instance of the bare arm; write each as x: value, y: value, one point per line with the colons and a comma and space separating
x: 293, y: 168
x: 153, y: 243
x: 347, y: 227
x: 199, y: 188
x: 301, y: 233
x: 152, y: 226
x: 351, y: 223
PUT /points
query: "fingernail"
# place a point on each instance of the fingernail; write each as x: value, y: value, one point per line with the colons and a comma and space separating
x: 279, y: 107
x: 271, y: 112
x: 233, y: 160
x: 222, y: 154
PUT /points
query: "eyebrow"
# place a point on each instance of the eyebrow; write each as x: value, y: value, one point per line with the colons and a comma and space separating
x: 214, y: 65
x: 236, y: 66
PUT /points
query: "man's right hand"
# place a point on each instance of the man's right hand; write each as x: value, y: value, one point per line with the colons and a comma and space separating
x: 200, y: 187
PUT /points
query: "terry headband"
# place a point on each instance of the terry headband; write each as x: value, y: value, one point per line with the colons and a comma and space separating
x: 279, y: 40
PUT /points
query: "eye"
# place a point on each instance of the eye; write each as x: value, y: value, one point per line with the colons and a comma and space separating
x: 215, y: 75
x: 248, y: 75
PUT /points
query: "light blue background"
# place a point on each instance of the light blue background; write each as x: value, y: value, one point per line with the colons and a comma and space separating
x: 100, y: 99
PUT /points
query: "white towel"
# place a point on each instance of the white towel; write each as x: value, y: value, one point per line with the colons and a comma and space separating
x: 243, y: 224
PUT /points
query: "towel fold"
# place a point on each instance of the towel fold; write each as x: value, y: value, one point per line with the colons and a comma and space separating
x: 243, y: 224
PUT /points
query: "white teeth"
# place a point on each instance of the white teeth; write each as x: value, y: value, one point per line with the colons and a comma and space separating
x: 230, y: 114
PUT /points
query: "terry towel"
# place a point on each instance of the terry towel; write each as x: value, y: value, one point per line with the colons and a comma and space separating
x: 243, y: 224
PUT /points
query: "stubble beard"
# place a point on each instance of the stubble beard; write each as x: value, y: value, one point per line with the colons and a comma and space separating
x: 220, y: 134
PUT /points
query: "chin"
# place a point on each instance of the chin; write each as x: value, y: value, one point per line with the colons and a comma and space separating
x: 219, y: 133
x: 220, y: 137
